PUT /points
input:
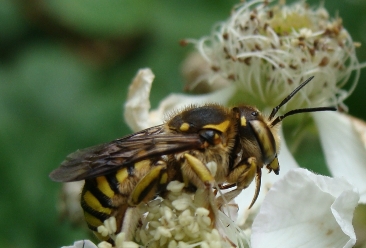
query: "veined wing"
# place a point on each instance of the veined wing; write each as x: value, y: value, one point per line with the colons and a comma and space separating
x: 102, y: 159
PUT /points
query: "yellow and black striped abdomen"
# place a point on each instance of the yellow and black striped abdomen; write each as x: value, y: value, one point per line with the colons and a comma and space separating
x: 97, y: 200
x: 108, y: 195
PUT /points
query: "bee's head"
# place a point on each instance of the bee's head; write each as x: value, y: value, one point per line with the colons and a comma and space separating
x: 254, y: 129
x: 252, y: 125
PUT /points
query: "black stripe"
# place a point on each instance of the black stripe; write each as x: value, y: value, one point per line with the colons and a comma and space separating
x: 104, y: 200
x: 131, y: 170
x: 234, y: 153
x: 113, y: 182
x: 99, y: 215
x: 93, y: 228
x: 153, y: 186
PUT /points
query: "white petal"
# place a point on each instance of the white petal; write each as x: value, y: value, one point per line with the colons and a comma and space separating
x: 287, y: 162
x: 285, y: 158
x: 138, y: 104
x: 176, y: 102
x: 82, y: 244
x: 344, y: 150
x: 70, y: 201
x: 306, y: 210
x: 360, y: 127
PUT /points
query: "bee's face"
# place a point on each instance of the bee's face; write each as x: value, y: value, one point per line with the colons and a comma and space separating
x: 254, y: 128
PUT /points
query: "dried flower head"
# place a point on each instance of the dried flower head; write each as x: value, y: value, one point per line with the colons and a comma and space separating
x: 268, y: 49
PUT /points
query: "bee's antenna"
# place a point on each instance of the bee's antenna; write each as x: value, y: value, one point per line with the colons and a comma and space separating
x: 303, y: 110
x: 284, y: 101
x: 295, y: 111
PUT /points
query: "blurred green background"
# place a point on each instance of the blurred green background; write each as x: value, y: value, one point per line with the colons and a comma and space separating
x: 65, y: 66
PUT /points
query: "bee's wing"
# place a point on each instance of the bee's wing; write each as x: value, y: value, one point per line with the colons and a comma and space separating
x: 101, y: 159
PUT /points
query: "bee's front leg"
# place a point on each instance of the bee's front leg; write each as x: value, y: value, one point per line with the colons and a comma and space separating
x: 206, y: 178
x: 242, y: 175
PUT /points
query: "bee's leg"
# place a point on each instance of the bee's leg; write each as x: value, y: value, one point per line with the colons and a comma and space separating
x: 121, y: 216
x: 199, y: 169
x: 149, y: 185
x: 243, y: 175
x: 130, y: 222
x: 206, y: 197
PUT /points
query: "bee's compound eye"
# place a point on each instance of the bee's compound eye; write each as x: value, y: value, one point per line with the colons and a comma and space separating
x: 209, y: 135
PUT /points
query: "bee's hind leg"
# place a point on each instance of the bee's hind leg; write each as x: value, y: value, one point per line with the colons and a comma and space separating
x: 148, y: 187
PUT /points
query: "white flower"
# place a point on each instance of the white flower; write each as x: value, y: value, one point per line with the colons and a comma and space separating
x: 137, y: 107
x: 69, y: 204
x: 295, y: 208
x: 306, y: 210
x: 265, y: 51
x: 180, y: 219
x: 82, y: 244
x: 300, y: 210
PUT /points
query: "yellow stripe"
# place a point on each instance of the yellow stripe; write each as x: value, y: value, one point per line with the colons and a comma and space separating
x: 93, y: 202
x: 164, y: 178
x: 243, y: 121
x: 199, y: 168
x: 121, y: 175
x: 145, y: 183
x: 266, y: 140
x: 103, y: 186
x: 184, y: 127
x: 274, y: 165
x: 144, y: 164
x: 93, y: 221
x: 222, y: 127
x: 141, y: 166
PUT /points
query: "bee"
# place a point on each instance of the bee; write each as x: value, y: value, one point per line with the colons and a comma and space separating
x: 137, y: 168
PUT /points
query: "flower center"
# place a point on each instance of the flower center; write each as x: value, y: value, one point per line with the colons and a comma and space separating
x: 268, y: 50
